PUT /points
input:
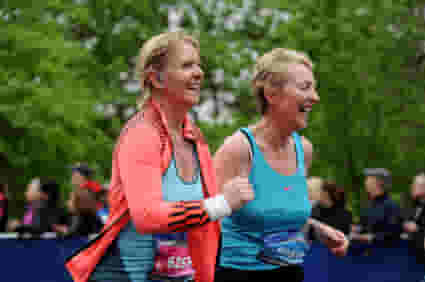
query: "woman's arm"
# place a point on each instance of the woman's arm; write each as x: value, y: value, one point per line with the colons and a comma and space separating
x: 232, y: 163
x: 335, y: 240
x: 139, y: 163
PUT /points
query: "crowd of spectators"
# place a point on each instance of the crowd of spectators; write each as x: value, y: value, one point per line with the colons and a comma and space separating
x: 382, y: 221
x: 85, y: 211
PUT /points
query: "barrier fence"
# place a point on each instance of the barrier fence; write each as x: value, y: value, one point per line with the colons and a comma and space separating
x: 42, y: 260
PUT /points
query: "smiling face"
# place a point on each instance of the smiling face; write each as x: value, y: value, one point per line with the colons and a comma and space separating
x: 290, y: 96
x: 182, y: 76
x: 417, y: 189
x: 373, y: 186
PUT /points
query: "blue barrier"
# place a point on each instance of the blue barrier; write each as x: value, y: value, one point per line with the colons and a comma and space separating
x: 36, y: 260
x: 42, y: 260
x: 364, y: 264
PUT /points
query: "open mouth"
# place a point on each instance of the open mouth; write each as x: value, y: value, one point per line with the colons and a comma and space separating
x: 195, y: 87
x: 304, y: 108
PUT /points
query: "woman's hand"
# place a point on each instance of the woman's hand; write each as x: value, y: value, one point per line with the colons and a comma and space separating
x: 335, y: 240
x: 60, y: 228
x: 410, y: 227
x: 238, y: 192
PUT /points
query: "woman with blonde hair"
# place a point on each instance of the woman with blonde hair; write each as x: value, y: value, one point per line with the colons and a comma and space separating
x: 264, y: 238
x: 314, y: 185
x: 163, y: 198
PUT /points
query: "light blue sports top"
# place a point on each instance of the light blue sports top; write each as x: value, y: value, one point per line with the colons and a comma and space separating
x: 281, y: 203
x: 131, y: 257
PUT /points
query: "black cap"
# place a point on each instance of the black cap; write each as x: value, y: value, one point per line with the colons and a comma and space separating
x: 83, y: 169
x: 381, y: 173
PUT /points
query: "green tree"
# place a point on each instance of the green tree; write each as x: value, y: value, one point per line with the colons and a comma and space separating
x: 67, y: 78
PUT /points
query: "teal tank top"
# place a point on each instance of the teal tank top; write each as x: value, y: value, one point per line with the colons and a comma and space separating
x: 281, y: 204
x: 131, y: 257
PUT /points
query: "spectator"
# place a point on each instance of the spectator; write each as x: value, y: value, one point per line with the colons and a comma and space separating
x: 82, y: 204
x: 414, y: 225
x: 381, y: 222
x: 43, y: 211
x: 82, y: 177
x: 331, y: 207
x: 3, y: 207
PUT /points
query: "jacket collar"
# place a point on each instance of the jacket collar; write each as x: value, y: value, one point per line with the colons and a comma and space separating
x: 190, y: 131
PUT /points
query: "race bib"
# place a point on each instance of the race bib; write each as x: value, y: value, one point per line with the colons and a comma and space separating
x: 284, y: 248
x: 172, y: 259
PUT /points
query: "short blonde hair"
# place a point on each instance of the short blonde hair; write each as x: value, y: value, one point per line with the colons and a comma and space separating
x: 275, y: 61
x: 419, y: 179
x: 152, y: 57
x: 314, y: 185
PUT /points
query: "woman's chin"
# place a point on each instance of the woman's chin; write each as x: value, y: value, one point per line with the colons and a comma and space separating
x: 301, y: 124
x: 192, y: 99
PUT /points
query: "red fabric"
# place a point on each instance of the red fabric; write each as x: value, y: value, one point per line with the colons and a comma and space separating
x: 92, y: 185
x: 141, y: 156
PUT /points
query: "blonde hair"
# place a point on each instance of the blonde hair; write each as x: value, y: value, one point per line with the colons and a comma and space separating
x: 314, y: 185
x: 275, y: 61
x: 419, y: 179
x: 152, y: 57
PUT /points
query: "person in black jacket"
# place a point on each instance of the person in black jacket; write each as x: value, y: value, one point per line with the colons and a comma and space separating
x: 43, y: 211
x: 331, y: 207
x: 381, y: 222
x: 82, y: 204
x: 414, y: 225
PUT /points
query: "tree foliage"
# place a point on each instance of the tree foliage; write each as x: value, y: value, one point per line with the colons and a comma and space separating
x: 67, y: 78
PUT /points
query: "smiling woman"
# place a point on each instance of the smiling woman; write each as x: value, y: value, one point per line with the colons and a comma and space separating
x: 163, y: 197
x: 256, y: 242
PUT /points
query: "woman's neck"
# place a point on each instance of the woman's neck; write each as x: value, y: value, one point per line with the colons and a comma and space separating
x: 173, y: 114
x: 274, y: 133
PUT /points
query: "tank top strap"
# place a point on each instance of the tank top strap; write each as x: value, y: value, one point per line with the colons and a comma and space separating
x: 300, y: 153
x: 251, y: 140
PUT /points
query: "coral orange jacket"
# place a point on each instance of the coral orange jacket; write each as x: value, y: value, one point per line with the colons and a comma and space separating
x: 141, y: 156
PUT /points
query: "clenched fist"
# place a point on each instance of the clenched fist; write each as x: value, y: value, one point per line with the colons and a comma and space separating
x: 335, y: 240
x: 238, y: 192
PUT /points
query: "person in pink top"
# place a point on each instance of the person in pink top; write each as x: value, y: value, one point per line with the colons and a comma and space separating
x: 42, y: 212
x: 3, y: 206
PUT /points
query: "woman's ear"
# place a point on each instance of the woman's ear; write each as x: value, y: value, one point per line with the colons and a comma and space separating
x: 268, y: 93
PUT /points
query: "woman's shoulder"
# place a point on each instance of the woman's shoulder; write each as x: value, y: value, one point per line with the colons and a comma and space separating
x: 234, y: 156
x: 236, y: 145
x: 139, y: 129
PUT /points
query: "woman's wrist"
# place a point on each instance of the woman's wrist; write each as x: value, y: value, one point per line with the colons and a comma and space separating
x: 217, y: 207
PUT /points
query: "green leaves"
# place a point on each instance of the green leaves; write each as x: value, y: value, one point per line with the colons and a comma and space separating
x: 63, y: 60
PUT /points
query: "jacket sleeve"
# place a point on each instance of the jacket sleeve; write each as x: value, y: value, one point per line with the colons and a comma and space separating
x: 139, y: 162
x: 393, y: 227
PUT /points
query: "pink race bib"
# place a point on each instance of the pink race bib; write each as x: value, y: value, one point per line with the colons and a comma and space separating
x: 172, y: 259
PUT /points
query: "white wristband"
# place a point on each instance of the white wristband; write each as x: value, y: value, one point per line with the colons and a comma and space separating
x: 217, y: 207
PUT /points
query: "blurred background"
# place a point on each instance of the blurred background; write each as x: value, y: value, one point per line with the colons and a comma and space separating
x: 67, y: 81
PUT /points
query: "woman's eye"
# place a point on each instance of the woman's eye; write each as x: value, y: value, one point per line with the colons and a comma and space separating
x: 305, y: 86
x: 188, y: 65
